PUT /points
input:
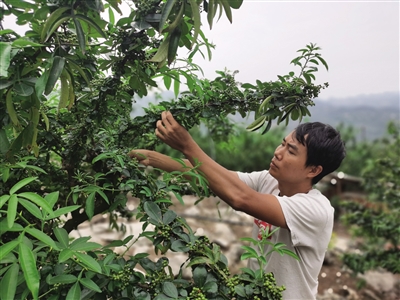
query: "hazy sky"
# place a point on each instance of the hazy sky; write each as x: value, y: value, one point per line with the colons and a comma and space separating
x: 359, y: 40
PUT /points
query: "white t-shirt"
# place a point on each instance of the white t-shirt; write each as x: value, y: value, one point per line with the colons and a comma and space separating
x: 310, y: 220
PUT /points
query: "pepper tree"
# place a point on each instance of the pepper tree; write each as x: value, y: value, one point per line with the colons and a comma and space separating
x: 66, y: 90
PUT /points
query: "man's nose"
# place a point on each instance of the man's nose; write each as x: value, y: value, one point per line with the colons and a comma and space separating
x: 278, y: 153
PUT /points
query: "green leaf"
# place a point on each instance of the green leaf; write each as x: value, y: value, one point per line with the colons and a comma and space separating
x: 63, y: 279
x: 322, y: 61
x: 28, y: 265
x: 250, y: 250
x: 227, y: 8
x: 239, y: 289
x: 76, y: 244
x: 196, y: 20
x: 3, y: 200
x: 41, y: 236
x: 173, y: 44
x: 62, y: 211
x: 7, y: 248
x: 153, y: 211
x: 177, y: 84
x: 89, y: 205
x: 64, y: 255
x: 90, y: 284
x: 199, y: 260
x: 169, y: 216
x: 91, y: 23
x: 55, y: 72
x: 62, y: 236
x: 51, y: 21
x: 81, y: 35
x: 5, y: 83
x: 21, y: 184
x: 89, y: 262
x: 5, y: 58
x: 23, y: 42
x: 256, y: 124
x: 12, y: 210
x: 52, y: 198
x: 39, y: 201
x: 165, y: 13
x: 235, y: 3
x: 199, y: 276
x: 8, y: 284
x: 249, y: 272
x: 170, y: 290
x: 32, y: 208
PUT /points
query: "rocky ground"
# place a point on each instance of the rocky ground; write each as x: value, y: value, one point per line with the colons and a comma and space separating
x: 225, y: 227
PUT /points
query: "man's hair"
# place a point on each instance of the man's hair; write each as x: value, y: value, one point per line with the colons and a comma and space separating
x: 324, y: 147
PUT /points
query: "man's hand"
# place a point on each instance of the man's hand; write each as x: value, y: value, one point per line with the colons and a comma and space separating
x: 172, y: 133
x: 141, y: 155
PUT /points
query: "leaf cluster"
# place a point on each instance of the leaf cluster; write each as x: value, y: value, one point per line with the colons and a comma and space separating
x: 377, y: 219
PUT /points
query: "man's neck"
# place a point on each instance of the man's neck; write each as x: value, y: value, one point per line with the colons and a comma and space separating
x: 290, y: 190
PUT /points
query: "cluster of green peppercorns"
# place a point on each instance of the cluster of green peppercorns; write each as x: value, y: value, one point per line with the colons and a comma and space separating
x: 196, y: 294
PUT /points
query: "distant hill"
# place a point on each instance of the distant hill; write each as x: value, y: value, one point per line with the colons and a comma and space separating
x: 369, y: 115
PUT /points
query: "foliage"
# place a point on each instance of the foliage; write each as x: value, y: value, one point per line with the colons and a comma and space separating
x: 377, y: 219
x: 66, y: 92
x: 239, y: 151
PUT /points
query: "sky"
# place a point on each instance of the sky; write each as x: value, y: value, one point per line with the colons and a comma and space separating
x: 359, y: 41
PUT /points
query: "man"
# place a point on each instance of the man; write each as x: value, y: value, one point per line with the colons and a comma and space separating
x: 281, y: 197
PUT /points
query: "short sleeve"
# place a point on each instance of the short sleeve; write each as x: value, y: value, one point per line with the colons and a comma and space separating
x: 308, y: 216
x: 257, y: 181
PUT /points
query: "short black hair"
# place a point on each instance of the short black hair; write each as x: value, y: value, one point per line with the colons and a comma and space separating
x: 324, y: 145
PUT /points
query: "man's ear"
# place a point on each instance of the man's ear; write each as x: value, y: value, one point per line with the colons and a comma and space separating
x: 314, y: 171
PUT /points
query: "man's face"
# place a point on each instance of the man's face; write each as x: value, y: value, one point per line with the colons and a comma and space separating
x: 288, y: 163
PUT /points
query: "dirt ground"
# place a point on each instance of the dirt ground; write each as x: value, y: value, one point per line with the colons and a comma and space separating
x: 334, y: 277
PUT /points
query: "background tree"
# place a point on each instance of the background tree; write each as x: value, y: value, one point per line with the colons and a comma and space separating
x: 377, y: 219
x: 66, y: 91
